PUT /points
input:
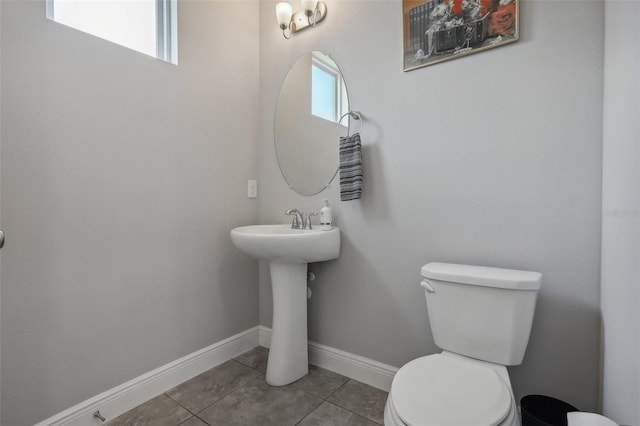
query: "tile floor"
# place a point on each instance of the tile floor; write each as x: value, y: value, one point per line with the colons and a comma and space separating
x: 235, y: 393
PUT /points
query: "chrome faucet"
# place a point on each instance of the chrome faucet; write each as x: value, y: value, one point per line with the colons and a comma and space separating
x: 298, y: 219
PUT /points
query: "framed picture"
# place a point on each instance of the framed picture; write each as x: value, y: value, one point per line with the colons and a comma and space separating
x: 439, y: 30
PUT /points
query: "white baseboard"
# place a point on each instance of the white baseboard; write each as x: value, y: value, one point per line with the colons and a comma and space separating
x: 355, y: 367
x: 122, y: 398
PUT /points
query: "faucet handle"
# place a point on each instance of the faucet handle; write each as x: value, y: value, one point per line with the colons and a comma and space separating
x: 307, y: 224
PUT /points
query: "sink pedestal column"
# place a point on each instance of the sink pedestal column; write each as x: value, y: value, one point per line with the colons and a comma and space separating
x: 288, y: 354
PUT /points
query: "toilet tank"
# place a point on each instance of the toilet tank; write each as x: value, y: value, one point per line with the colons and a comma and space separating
x: 481, y: 312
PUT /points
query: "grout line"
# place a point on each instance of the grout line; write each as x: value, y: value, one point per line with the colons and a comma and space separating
x: 217, y: 400
x: 337, y: 402
x: 226, y: 395
x: 192, y: 413
x: 312, y: 410
x: 203, y: 420
x: 261, y: 376
x: 181, y: 423
x: 354, y: 413
x: 307, y: 415
x: 339, y: 387
x: 240, y: 362
x: 248, y: 366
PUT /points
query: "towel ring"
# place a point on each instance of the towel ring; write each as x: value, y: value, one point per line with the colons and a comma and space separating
x: 355, y: 115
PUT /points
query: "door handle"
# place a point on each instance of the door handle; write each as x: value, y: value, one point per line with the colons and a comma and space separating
x: 1, y: 238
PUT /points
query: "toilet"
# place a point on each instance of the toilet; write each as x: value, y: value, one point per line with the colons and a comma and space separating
x: 481, y: 319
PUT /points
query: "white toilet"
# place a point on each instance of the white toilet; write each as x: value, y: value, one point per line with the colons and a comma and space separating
x: 481, y: 318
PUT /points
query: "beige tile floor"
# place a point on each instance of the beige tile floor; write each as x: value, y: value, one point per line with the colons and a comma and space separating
x: 235, y: 393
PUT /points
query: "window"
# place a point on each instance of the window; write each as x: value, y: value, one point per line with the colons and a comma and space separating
x: 148, y: 26
x: 328, y: 91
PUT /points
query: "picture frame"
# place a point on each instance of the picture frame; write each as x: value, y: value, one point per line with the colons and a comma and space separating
x: 435, y: 31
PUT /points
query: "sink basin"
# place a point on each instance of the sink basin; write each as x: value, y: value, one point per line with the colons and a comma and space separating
x: 281, y: 244
x: 288, y: 252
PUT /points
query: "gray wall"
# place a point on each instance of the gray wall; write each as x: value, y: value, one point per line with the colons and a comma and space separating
x: 493, y: 159
x: 121, y: 177
x: 620, y: 299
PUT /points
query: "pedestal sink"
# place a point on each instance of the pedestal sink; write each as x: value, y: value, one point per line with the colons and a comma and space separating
x: 288, y: 252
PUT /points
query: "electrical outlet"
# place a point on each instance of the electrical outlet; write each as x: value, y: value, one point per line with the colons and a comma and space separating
x: 252, y: 188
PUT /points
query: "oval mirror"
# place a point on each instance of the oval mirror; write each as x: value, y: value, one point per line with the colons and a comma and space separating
x: 312, y: 99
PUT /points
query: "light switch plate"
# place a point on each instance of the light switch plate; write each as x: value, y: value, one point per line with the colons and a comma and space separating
x: 252, y: 188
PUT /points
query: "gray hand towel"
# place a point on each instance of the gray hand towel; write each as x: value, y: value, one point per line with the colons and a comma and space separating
x: 350, y: 167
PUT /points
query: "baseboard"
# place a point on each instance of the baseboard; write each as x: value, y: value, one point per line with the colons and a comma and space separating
x: 355, y: 367
x: 122, y: 398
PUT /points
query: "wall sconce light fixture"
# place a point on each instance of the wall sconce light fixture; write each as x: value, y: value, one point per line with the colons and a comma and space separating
x: 312, y: 12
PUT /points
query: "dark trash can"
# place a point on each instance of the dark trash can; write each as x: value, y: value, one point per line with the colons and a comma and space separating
x: 540, y: 410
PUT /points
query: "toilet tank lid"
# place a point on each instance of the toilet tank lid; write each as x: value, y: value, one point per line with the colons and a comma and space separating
x: 483, y: 276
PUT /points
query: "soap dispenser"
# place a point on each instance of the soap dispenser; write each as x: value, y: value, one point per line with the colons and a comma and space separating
x: 325, y: 216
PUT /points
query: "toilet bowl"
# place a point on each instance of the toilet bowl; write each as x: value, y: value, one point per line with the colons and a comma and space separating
x: 481, y: 318
x: 448, y: 389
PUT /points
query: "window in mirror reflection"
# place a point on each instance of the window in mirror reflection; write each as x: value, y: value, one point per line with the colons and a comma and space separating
x: 328, y: 91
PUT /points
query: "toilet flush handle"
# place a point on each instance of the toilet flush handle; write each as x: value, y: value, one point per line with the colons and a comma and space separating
x: 427, y: 286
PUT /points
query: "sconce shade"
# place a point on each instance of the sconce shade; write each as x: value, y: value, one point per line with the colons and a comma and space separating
x: 283, y: 14
x: 309, y: 5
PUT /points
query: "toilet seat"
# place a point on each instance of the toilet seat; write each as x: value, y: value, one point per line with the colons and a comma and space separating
x: 444, y: 390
